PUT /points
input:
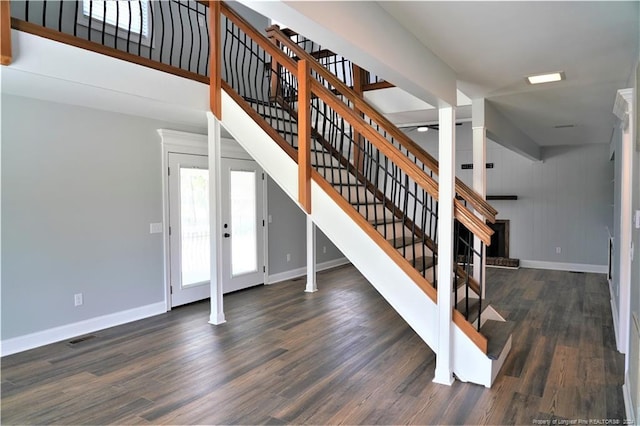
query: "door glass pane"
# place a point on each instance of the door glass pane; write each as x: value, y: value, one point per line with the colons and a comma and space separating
x: 194, y: 213
x: 244, y: 253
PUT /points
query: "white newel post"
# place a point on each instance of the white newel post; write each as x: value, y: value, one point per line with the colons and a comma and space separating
x: 311, y: 256
x: 446, y: 179
x: 479, y: 179
x: 215, y: 212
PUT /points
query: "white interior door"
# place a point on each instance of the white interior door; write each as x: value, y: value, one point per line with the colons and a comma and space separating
x: 242, y: 224
x: 190, y: 247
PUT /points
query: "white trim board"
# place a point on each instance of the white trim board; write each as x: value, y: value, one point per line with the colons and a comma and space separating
x: 299, y: 272
x: 558, y: 266
x: 57, y: 334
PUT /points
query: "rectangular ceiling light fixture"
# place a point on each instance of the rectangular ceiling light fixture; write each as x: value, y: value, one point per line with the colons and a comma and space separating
x: 545, y: 78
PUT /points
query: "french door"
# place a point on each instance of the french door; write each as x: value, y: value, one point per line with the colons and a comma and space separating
x: 242, y: 224
x: 190, y: 246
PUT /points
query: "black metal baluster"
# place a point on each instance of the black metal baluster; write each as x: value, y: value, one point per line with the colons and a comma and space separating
x: 44, y: 13
x: 208, y: 42
x: 179, y: 3
x: 128, y: 27
x: 192, y: 38
x: 60, y: 16
x: 115, y: 36
x: 198, y: 18
x: 171, y: 35
x: 151, y: 26
x: 141, y: 28
x: 104, y: 21
x: 90, y: 20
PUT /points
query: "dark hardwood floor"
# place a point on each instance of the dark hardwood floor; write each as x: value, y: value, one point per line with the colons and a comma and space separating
x: 340, y: 355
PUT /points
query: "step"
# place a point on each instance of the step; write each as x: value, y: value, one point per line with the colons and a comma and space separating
x: 321, y: 158
x: 498, y: 334
x: 422, y: 263
x: 409, y: 250
x: 393, y: 230
x: 474, y: 307
x: 337, y: 177
x: 374, y: 210
x: 355, y: 194
x: 272, y: 111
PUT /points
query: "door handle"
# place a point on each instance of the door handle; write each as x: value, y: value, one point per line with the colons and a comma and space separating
x: 227, y: 235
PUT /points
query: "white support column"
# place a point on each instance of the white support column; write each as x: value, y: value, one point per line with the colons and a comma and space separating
x: 446, y: 180
x: 311, y: 256
x: 215, y: 213
x: 479, y: 178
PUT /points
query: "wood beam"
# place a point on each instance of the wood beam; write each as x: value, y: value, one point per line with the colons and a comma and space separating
x: 358, y: 83
x: 5, y: 33
x: 304, y: 135
x: 215, y: 60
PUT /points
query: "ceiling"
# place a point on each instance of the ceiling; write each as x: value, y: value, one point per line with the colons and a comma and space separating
x: 493, y: 46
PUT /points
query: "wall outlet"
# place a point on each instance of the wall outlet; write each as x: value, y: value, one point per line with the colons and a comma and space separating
x: 155, y: 228
x: 77, y: 299
x: 324, y: 249
x: 288, y: 257
x: 558, y: 250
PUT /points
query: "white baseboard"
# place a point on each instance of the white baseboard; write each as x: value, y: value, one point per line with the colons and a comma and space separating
x: 558, y: 266
x: 56, y: 334
x: 299, y: 272
x: 614, y: 315
x: 628, y: 402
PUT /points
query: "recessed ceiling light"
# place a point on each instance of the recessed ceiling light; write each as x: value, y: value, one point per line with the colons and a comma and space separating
x: 545, y: 78
x: 422, y: 129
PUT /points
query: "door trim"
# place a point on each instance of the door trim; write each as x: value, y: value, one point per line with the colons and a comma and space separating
x: 179, y: 143
x: 197, y: 144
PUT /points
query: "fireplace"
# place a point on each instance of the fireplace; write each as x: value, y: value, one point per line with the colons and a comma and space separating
x: 500, y: 239
x: 497, y: 254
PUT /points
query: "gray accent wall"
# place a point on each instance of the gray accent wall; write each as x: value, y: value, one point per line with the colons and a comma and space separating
x: 79, y: 190
x: 287, y: 234
x: 564, y: 201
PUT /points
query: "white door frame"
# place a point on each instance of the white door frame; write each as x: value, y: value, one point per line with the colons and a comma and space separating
x: 180, y: 143
x: 192, y: 143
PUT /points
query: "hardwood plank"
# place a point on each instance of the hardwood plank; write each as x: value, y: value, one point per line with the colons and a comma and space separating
x: 340, y: 355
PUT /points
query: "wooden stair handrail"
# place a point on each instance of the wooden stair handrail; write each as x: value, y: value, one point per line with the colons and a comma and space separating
x: 473, y: 198
x: 464, y: 216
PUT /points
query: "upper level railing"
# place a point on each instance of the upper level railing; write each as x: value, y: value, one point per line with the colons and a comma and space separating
x: 170, y: 35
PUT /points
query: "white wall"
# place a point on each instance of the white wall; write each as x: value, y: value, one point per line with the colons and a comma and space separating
x: 564, y: 201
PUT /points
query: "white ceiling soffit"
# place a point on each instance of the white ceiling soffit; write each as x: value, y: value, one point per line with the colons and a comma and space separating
x: 40, y: 70
x: 375, y: 41
x: 493, y: 46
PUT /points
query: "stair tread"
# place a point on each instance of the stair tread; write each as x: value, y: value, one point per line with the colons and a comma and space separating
x: 403, y: 241
x: 474, y: 305
x: 497, y: 334
x: 385, y: 221
x: 421, y: 263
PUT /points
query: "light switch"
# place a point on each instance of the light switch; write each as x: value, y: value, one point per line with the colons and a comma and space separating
x: 155, y: 228
x: 637, y: 219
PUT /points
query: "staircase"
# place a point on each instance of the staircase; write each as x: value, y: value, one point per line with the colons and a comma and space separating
x: 366, y: 185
